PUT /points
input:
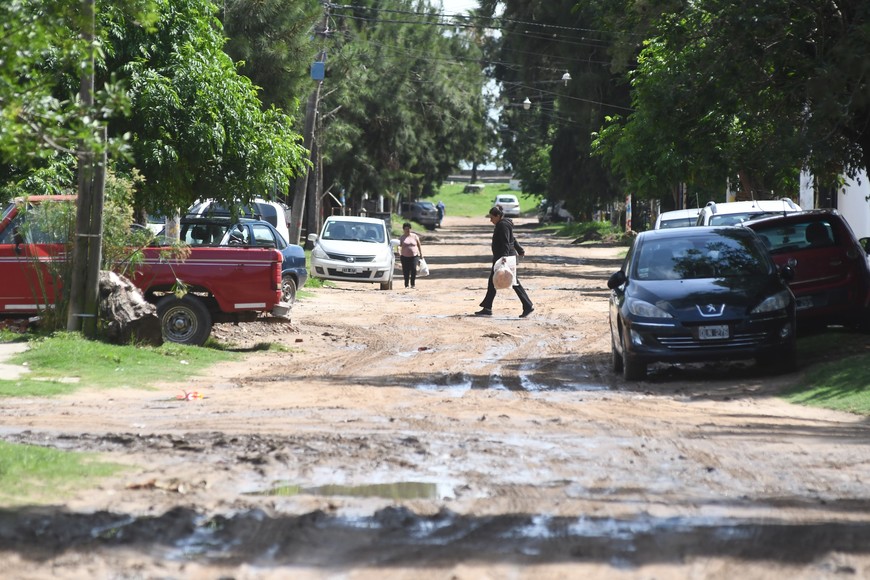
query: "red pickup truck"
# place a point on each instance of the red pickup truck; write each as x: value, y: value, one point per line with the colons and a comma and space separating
x: 224, y: 284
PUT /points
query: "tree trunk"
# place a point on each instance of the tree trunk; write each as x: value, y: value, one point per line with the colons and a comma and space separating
x: 126, y: 315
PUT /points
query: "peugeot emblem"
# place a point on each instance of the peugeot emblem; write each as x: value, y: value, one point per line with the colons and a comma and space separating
x: 709, y: 310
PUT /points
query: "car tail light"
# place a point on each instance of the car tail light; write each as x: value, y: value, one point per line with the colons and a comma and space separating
x: 277, y: 266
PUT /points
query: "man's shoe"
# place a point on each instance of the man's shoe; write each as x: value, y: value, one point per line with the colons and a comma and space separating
x: 483, y: 312
x: 527, y: 312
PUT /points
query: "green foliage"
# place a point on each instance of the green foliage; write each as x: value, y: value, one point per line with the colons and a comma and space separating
x: 548, y: 145
x: 54, y: 360
x: 747, y: 92
x: 197, y: 128
x: 405, y: 100
x: 31, y: 474
x: 271, y: 42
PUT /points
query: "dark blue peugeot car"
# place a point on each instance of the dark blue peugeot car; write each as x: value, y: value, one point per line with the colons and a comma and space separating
x: 700, y: 294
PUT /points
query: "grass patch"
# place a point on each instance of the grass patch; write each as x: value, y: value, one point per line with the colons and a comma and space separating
x: 458, y: 203
x: 31, y: 474
x: 54, y: 359
x: 842, y: 380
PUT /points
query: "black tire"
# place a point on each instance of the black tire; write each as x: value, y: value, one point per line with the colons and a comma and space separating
x: 387, y: 285
x: 184, y: 320
x: 615, y: 357
x: 288, y: 289
x: 632, y: 369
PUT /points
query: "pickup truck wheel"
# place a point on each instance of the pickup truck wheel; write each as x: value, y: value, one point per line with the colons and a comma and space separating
x: 184, y: 320
x: 288, y: 289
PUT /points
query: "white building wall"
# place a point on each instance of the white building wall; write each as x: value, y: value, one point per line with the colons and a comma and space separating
x: 852, y: 203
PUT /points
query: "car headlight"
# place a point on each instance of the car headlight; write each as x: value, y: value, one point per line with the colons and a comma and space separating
x: 778, y: 301
x: 318, y: 253
x: 646, y: 310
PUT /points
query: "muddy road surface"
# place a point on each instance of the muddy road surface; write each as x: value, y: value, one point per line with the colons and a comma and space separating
x: 399, y: 437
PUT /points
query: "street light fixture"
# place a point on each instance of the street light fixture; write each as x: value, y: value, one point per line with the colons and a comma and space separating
x: 527, y: 104
x: 566, y: 77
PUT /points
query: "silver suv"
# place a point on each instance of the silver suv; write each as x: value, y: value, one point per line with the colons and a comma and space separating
x: 423, y: 212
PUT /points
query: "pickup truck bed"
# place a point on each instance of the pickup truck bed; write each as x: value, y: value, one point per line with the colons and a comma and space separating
x: 223, y: 283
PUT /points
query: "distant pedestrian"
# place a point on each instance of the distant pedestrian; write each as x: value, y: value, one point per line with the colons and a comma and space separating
x: 410, y: 251
x: 442, y: 210
x: 504, y: 244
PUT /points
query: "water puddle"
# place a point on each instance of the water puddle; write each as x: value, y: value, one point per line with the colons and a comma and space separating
x: 398, y: 490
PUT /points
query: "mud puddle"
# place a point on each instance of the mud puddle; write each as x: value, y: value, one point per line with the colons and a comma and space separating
x: 398, y: 536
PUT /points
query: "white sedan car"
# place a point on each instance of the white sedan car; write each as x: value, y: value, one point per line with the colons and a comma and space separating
x: 509, y: 203
x: 354, y: 249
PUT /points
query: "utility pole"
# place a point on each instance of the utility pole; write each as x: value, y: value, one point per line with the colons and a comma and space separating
x: 300, y: 190
x: 88, y: 243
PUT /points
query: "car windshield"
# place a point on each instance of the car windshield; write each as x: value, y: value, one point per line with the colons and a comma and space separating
x: 427, y: 205
x: 730, y: 219
x: 353, y: 231
x: 677, y: 222
x: 692, y: 258
x: 784, y: 238
x: 506, y: 200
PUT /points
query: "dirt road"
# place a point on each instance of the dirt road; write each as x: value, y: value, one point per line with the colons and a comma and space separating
x: 399, y: 437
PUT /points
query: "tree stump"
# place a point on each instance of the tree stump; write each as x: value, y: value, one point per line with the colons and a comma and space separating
x: 125, y: 314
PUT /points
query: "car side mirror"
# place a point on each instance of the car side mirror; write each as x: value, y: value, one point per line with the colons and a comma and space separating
x: 616, y: 280
x: 312, y: 237
x: 786, y: 273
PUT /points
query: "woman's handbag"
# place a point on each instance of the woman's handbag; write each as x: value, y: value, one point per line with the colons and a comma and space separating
x: 504, y: 272
x: 422, y: 268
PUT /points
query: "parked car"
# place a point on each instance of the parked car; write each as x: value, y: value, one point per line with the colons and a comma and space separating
x: 509, y: 203
x: 700, y: 294
x: 831, y: 274
x: 272, y: 212
x: 549, y: 212
x: 678, y: 218
x: 224, y: 284
x: 247, y: 233
x: 423, y: 212
x: 354, y: 249
x: 736, y: 212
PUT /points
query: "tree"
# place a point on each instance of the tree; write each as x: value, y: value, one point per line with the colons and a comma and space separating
x: 197, y: 127
x: 403, y: 98
x: 752, y: 92
x: 541, y: 42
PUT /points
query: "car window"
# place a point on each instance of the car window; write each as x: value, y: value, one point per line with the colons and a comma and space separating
x: 677, y: 223
x: 730, y: 219
x: 783, y: 238
x: 714, y: 257
x: 264, y: 236
x: 39, y: 225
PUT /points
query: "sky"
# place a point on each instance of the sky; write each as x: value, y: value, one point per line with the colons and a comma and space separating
x: 458, y: 6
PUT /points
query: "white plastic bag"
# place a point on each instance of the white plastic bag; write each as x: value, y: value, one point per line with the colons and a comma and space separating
x: 504, y: 272
x: 422, y: 268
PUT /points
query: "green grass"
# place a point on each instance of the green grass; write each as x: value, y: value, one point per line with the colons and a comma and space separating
x: 31, y: 474
x: 54, y: 359
x: 462, y: 204
x: 842, y: 380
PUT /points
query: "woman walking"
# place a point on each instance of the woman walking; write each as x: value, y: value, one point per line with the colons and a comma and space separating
x: 504, y: 244
x: 410, y: 251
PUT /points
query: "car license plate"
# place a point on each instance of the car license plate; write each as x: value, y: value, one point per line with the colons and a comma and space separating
x: 713, y: 332
x: 350, y: 270
x: 804, y: 302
